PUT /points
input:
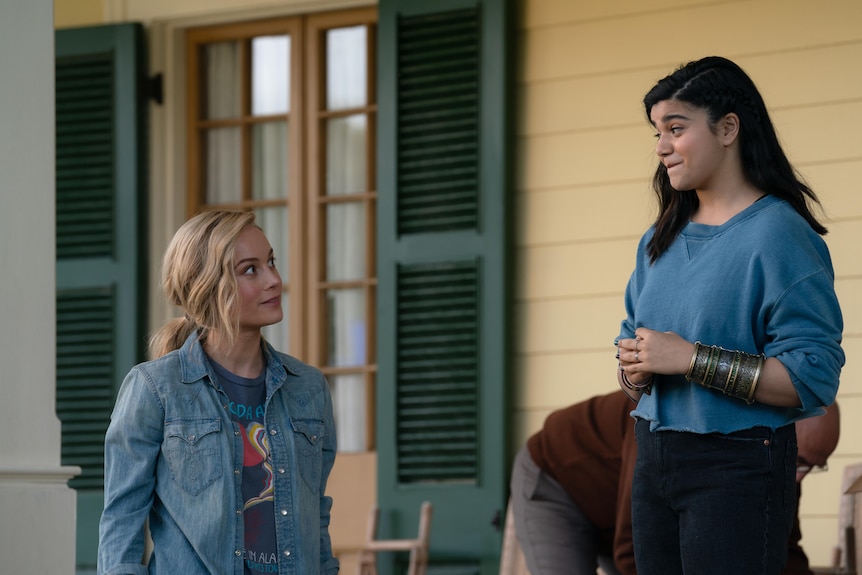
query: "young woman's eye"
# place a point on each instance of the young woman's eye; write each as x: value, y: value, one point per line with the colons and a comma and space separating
x: 675, y: 129
x: 249, y: 270
x: 271, y: 262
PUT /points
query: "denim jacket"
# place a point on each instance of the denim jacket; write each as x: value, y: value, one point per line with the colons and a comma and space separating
x: 173, y: 455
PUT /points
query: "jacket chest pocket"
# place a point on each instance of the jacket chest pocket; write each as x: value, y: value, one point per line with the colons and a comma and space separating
x: 308, y: 436
x: 191, y: 447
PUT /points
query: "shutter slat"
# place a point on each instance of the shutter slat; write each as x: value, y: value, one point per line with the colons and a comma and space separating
x: 436, y: 382
x: 85, y: 379
x: 438, y: 98
x: 85, y: 156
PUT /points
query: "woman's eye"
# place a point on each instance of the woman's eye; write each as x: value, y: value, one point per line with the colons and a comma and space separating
x: 675, y: 129
x: 249, y: 271
x: 271, y: 262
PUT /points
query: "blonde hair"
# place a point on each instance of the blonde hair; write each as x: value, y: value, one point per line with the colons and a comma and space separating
x: 198, y: 276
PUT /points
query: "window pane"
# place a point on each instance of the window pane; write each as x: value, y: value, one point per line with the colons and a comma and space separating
x: 349, y: 405
x: 277, y: 334
x: 346, y: 67
x: 270, y: 75
x: 346, y: 327
x: 273, y: 221
x: 345, y: 241
x: 269, y: 159
x: 346, y: 155
x: 221, y: 65
x: 223, y: 165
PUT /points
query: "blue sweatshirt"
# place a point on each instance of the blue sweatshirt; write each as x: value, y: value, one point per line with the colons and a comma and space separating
x: 762, y: 282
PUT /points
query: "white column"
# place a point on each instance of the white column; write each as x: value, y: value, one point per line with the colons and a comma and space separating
x: 37, y: 508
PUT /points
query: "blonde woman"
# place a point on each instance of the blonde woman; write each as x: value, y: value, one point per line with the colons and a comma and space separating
x: 222, y: 442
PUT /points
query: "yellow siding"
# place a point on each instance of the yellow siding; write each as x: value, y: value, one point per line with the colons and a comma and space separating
x: 70, y: 13
x: 585, y: 159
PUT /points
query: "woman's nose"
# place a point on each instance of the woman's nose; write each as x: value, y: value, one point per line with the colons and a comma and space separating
x: 662, y: 147
x: 273, y: 278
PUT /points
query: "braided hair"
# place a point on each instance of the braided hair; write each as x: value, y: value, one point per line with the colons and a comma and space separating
x: 719, y: 87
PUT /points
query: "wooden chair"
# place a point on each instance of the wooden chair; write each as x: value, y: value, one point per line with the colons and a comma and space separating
x: 849, y: 549
x: 418, y: 548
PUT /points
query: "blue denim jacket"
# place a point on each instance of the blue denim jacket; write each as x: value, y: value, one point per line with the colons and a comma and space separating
x: 173, y: 455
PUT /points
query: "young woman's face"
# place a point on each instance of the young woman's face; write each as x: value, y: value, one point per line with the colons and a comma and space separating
x: 687, y: 145
x: 258, y: 282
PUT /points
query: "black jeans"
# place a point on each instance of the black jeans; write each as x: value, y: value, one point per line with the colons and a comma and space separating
x: 713, y: 504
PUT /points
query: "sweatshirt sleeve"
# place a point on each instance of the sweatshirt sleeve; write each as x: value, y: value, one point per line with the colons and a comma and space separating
x: 804, y: 333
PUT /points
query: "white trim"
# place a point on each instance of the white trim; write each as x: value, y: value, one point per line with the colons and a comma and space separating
x: 59, y: 474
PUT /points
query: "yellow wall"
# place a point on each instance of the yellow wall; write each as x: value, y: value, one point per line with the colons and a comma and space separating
x: 72, y: 13
x: 586, y: 156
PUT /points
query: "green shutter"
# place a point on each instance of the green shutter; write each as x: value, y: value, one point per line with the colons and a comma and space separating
x: 444, y: 251
x: 101, y: 265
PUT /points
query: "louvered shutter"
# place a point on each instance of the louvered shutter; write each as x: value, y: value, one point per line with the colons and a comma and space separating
x: 100, y: 224
x: 444, y: 310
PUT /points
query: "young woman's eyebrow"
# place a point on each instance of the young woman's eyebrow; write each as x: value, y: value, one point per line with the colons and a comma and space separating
x: 252, y: 259
x: 671, y: 117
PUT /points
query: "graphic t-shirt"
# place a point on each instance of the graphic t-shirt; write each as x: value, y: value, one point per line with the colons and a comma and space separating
x: 247, y: 400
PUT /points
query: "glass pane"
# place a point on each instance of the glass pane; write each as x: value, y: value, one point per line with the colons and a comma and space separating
x: 274, y: 223
x: 346, y: 67
x: 345, y: 241
x: 269, y: 161
x: 221, y: 66
x: 277, y: 334
x: 270, y: 75
x: 348, y: 403
x: 223, y: 165
x: 346, y: 155
x: 346, y: 327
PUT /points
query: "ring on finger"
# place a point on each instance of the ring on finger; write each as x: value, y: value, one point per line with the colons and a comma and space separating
x: 636, y: 356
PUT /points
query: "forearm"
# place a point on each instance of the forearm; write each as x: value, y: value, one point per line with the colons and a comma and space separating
x: 749, y: 377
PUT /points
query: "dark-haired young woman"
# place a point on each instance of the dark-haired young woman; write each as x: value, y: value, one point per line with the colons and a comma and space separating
x: 733, y: 331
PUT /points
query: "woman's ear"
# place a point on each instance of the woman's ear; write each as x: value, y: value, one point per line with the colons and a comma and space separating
x: 728, y: 129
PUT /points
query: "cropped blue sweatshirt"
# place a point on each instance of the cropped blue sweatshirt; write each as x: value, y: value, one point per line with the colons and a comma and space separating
x: 762, y: 282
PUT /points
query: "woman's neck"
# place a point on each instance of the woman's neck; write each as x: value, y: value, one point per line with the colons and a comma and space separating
x: 718, y: 205
x: 243, y: 358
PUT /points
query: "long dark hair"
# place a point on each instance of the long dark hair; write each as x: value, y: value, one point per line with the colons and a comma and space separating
x: 719, y: 87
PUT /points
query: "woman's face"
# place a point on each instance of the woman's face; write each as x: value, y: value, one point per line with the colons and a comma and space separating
x: 258, y: 282
x: 688, y: 146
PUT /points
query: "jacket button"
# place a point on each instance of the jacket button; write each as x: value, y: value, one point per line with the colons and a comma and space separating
x: 284, y: 511
x: 286, y: 553
x: 238, y: 553
x: 281, y: 469
x: 273, y: 432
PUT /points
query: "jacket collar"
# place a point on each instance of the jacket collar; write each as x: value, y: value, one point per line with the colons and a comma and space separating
x: 194, y: 365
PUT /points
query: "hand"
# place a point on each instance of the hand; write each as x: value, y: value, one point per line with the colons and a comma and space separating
x: 651, y: 352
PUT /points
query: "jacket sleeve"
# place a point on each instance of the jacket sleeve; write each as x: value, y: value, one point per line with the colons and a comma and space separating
x: 329, y: 564
x: 132, y: 445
